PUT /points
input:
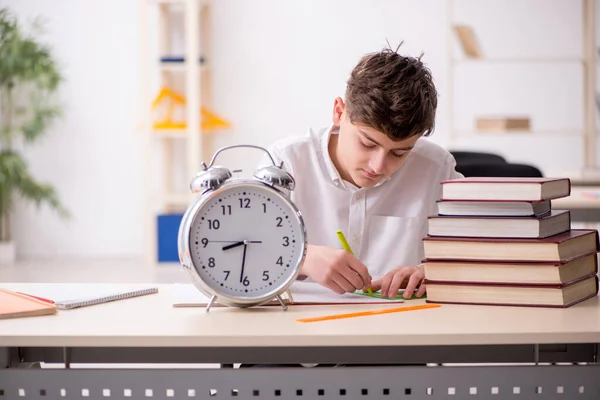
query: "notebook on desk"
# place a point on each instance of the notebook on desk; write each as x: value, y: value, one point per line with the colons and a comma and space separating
x: 67, y: 296
x: 302, y: 293
x: 16, y: 305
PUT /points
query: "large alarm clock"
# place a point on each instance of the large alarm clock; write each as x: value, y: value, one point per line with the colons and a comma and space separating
x: 242, y: 240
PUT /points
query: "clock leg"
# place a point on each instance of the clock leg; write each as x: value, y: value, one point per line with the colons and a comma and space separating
x: 288, y: 295
x: 282, y: 302
x: 210, y: 303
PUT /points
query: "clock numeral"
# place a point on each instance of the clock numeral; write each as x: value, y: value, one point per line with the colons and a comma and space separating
x: 264, y: 207
x: 245, y: 203
x: 279, y: 261
x: 211, y: 262
x: 265, y: 275
x: 286, y: 241
x: 214, y: 224
x: 226, y: 274
x: 226, y: 210
x: 279, y: 222
x: 204, y: 242
x: 246, y: 282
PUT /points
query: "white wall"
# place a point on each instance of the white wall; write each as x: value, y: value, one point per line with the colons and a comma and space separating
x: 277, y: 67
x: 280, y: 64
x: 92, y: 155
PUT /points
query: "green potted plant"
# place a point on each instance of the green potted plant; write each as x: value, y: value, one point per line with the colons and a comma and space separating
x: 29, y: 80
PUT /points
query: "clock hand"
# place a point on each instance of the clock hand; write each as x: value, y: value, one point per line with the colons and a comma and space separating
x: 243, y: 261
x: 231, y: 246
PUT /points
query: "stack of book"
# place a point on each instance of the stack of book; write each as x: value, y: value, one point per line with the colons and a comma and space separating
x: 497, y: 241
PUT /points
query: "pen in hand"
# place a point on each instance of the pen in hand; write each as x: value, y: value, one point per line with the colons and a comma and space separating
x: 347, y: 248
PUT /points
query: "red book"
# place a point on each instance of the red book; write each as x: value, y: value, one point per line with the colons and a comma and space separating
x: 512, y: 272
x: 550, y: 224
x: 505, y: 189
x: 562, y: 247
x: 16, y: 305
x: 559, y: 295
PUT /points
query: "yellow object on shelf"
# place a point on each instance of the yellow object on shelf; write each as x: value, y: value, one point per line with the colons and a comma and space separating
x: 208, y: 121
x: 503, y: 124
x: 468, y: 41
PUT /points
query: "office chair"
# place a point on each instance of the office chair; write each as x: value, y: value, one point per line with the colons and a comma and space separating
x: 462, y: 157
x: 495, y: 169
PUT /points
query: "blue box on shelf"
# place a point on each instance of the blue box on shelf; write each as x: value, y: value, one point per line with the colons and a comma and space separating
x: 168, y: 229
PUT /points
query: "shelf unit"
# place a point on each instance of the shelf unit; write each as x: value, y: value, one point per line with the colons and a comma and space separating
x: 174, y: 156
x: 588, y: 61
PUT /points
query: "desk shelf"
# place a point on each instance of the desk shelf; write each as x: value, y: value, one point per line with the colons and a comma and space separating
x: 473, y: 63
x: 460, y: 383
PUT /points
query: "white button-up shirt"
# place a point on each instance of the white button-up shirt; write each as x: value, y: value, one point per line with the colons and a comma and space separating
x: 384, y: 224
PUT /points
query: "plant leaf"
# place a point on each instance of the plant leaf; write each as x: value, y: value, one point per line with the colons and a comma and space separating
x: 15, y: 177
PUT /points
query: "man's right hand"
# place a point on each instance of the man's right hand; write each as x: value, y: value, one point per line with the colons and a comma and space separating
x: 335, y: 269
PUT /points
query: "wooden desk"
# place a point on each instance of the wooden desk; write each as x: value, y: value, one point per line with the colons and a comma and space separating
x: 151, y: 321
x: 584, y: 203
x: 149, y: 329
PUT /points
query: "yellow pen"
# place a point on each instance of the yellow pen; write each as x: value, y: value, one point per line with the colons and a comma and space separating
x: 346, y: 247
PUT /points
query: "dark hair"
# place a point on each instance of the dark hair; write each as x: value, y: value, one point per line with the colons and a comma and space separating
x: 393, y: 94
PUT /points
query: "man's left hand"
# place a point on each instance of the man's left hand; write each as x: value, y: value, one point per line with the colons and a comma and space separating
x: 391, y: 282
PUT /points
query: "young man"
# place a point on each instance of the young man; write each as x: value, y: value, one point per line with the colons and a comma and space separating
x: 374, y: 175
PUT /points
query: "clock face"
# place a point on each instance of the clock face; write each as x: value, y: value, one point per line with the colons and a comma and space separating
x: 246, y: 241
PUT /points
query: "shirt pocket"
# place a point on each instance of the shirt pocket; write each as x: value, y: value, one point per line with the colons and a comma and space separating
x: 392, y: 242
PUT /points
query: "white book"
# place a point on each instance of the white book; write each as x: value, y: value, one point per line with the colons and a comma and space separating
x: 494, y: 208
x: 67, y: 296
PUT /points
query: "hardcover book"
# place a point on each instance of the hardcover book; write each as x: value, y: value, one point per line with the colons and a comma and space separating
x: 493, y: 188
x: 559, y: 295
x: 562, y: 247
x: 549, y: 224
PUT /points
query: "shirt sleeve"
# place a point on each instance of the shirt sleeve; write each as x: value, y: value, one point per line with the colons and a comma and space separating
x: 452, y: 172
x: 449, y: 172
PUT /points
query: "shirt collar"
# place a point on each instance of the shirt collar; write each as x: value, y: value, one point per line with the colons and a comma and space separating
x: 332, y: 172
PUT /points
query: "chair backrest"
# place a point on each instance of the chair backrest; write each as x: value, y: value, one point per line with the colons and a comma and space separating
x: 499, y: 170
x: 463, y: 157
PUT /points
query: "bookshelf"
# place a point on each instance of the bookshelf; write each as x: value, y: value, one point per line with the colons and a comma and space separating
x: 178, y: 121
x: 476, y: 53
